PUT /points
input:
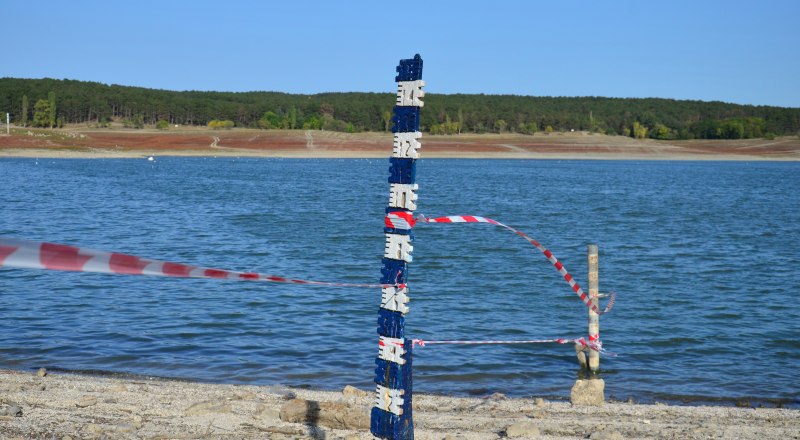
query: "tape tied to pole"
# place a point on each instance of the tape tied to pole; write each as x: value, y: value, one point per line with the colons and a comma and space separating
x: 27, y: 254
x: 591, y: 345
x: 402, y: 217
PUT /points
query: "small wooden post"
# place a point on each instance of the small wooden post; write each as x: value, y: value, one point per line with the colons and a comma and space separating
x: 594, y: 318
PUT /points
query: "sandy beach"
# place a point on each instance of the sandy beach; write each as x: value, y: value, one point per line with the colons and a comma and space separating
x: 194, y: 141
x: 65, y: 406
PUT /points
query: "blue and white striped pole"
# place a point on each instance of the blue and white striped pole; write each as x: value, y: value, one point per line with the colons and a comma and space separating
x: 391, y: 417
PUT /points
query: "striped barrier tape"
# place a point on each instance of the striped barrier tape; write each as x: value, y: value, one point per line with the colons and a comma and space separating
x: 592, y: 345
x: 395, y: 219
x: 40, y: 255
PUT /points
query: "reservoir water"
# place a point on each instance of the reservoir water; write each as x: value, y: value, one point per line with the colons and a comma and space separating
x: 704, y: 257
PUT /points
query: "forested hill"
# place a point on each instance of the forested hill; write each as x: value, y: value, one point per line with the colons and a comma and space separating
x: 50, y: 102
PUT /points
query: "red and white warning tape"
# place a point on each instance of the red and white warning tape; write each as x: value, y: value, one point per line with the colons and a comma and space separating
x: 392, y: 219
x: 596, y: 346
x: 39, y: 255
x: 400, y: 220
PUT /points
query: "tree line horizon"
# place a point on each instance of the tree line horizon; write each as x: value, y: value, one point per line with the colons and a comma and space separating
x: 53, y: 103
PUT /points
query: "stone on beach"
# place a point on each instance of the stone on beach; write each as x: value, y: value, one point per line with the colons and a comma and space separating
x: 351, y: 391
x: 208, y: 407
x: 86, y: 402
x: 523, y: 429
x: 11, y: 411
x: 334, y: 415
x: 587, y: 392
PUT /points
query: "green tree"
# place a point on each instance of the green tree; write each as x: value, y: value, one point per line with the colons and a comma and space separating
x: 500, y: 125
x: 41, y: 113
x: 51, y: 117
x: 529, y: 128
x: 137, y: 121
x: 386, y: 118
x: 24, y: 115
x: 313, y: 122
x: 81, y: 102
x: 162, y: 124
x: 270, y: 120
x: 217, y: 124
x: 293, y: 118
x: 639, y: 130
x: 661, y: 131
x: 731, y: 130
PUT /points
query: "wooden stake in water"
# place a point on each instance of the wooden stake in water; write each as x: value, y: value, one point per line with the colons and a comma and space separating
x: 594, y: 318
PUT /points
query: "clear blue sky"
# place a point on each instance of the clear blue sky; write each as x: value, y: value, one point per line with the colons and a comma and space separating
x: 735, y: 51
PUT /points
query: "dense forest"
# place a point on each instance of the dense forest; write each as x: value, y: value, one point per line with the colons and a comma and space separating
x: 53, y: 103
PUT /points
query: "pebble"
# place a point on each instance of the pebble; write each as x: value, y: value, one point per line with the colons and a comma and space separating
x: 86, y: 402
x: 538, y: 414
x: 246, y: 395
x: 125, y: 428
x: 91, y: 428
x: 606, y: 435
x: 208, y: 407
x: 13, y: 411
x: 264, y: 412
x: 336, y: 415
x: 351, y: 391
x: 522, y: 429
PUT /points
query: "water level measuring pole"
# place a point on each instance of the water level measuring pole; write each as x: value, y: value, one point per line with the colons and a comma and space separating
x: 391, y: 417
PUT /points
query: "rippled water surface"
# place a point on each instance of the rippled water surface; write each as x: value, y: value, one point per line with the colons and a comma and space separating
x: 704, y: 256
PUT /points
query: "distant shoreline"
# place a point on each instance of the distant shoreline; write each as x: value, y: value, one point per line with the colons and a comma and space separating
x: 199, y: 142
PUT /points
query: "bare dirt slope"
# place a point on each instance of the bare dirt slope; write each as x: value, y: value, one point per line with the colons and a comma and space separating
x: 78, y: 142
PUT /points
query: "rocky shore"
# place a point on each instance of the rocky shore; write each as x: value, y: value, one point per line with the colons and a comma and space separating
x: 64, y: 406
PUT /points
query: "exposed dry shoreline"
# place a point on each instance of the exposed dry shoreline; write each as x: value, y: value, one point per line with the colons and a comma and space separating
x: 192, y: 141
x: 66, y: 406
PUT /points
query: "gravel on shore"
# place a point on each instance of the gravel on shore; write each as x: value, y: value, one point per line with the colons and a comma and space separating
x: 48, y: 406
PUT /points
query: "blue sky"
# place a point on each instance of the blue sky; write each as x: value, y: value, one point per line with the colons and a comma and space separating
x: 745, y: 52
